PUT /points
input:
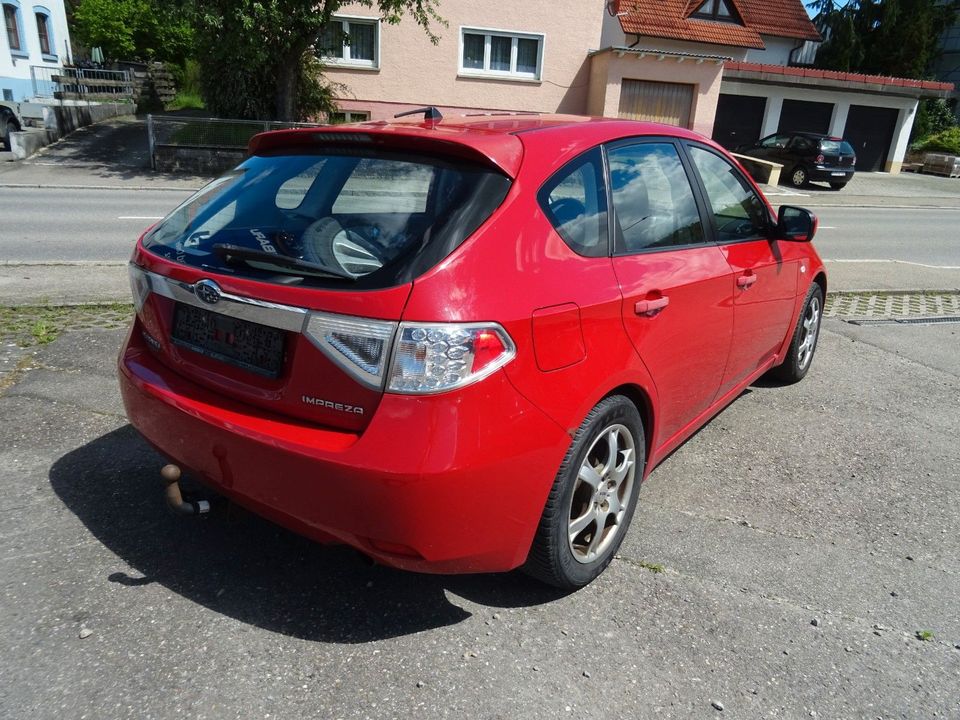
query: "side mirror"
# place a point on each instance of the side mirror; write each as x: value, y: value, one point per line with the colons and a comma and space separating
x: 795, y: 223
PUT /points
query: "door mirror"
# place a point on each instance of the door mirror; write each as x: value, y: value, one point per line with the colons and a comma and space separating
x: 795, y: 223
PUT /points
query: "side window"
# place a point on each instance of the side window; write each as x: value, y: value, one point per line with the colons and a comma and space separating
x: 775, y: 142
x: 575, y: 202
x: 739, y: 212
x: 800, y: 144
x: 652, y: 198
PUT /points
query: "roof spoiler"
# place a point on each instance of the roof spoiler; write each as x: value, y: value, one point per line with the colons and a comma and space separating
x: 503, y: 151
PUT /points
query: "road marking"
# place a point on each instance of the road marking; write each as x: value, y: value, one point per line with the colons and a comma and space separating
x: 140, y: 217
x: 901, y: 262
x: 826, y: 227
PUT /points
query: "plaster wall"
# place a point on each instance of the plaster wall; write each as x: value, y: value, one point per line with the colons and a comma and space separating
x: 610, y: 70
x: 15, y: 65
x: 414, y: 72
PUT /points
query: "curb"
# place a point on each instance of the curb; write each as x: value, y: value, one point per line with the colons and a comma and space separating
x: 34, y: 186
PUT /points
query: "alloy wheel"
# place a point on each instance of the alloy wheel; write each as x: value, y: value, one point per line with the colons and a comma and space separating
x: 811, y: 328
x: 604, y: 488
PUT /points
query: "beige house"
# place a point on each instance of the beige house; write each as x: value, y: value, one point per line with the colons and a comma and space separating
x: 734, y: 70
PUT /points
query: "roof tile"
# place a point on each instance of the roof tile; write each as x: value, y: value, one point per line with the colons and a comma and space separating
x: 671, y: 19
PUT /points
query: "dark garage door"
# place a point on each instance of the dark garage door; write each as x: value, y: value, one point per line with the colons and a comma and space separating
x: 739, y: 119
x: 870, y: 131
x: 804, y: 115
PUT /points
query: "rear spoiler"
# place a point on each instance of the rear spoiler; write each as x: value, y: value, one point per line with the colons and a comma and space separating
x: 501, y: 150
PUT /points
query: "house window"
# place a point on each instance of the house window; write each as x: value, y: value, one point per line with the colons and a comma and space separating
x: 347, y: 116
x: 351, y: 41
x: 11, y: 20
x: 719, y: 10
x: 501, y: 54
x: 43, y: 32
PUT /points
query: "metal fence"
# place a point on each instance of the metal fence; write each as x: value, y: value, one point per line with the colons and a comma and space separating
x: 169, y: 134
x: 76, y: 83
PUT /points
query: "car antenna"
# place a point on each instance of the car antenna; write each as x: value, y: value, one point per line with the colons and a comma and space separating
x: 430, y: 114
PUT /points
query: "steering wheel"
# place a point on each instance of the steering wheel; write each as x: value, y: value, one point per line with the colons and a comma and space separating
x: 328, y: 242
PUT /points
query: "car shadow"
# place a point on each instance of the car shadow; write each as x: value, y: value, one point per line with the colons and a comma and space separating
x: 247, y: 568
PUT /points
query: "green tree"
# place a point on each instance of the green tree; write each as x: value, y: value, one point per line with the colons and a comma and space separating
x: 883, y: 37
x: 257, y: 54
x: 133, y: 29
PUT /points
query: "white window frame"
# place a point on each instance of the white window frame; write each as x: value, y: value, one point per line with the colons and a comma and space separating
x: 512, y: 74
x: 352, y: 116
x: 345, y: 60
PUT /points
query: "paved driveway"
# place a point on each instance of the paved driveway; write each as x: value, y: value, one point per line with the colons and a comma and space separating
x: 805, y: 536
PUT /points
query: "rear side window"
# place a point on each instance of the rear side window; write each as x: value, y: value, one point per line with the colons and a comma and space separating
x: 575, y: 202
x: 836, y: 147
x: 652, y: 199
x: 364, y: 217
x: 740, y: 214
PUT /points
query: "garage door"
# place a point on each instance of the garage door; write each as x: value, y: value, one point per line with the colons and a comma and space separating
x: 739, y: 120
x: 805, y: 116
x: 668, y: 103
x: 870, y: 131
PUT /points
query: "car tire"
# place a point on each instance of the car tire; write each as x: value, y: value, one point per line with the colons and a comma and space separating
x: 804, y: 341
x: 799, y: 177
x: 8, y: 138
x: 837, y: 186
x: 591, y: 490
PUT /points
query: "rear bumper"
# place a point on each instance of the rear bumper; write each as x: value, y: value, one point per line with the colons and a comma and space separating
x: 837, y: 175
x: 450, y: 483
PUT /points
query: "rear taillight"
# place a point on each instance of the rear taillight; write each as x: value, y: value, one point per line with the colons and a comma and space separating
x: 426, y: 357
x: 359, y: 346
x: 435, y: 357
x: 820, y: 159
x: 139, y: 285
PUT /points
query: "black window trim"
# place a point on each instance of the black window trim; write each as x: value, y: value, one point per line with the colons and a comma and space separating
x: 702, y: 190
x: 614, y: 235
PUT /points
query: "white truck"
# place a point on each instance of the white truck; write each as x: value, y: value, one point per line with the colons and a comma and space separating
x: 10, y: 121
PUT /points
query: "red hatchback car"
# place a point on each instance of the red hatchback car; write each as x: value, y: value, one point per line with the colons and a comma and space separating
x: 459, y: 345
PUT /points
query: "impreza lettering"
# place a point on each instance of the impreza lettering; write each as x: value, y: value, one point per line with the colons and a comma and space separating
x: 330, y: 405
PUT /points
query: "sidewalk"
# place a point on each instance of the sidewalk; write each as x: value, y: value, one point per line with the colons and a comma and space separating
x: 111, y: 154
x: 908, y: 190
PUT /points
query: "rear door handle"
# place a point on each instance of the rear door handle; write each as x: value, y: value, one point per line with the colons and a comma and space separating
x: 651, y: 307
x: 745, y: 281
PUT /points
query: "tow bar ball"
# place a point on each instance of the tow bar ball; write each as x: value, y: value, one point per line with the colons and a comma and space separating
x: 171, y: 480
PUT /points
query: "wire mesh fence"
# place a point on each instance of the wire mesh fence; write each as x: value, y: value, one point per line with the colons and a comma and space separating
x: 172, y: 135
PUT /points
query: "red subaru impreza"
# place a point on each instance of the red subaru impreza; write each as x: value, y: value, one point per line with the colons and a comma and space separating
x: 459, y: 345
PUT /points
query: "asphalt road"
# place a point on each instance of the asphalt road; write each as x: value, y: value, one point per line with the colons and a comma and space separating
x: 917, y: 235
x: 806, y: 536
x: 57, y: 225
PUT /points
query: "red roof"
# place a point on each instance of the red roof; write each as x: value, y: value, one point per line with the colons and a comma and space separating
x: 857, y: 78
x: 672, y: 19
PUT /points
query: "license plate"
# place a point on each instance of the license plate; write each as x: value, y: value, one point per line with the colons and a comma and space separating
x: 247, y: 345
x: 838, y: 174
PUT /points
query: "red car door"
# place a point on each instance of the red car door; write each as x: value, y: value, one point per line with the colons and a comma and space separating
x: 765, y: 282
x: 676, y: 283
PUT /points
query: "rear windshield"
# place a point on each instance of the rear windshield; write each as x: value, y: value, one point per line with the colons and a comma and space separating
x: 836, y: 147
x: 344, y: 217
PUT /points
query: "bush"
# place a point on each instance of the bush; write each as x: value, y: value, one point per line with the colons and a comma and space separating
x: 947, y: 141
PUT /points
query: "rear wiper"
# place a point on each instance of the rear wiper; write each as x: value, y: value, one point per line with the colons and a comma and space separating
x: 259, y: 258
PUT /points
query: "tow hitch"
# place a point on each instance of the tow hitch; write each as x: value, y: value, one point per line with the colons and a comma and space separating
x: 171, y: 479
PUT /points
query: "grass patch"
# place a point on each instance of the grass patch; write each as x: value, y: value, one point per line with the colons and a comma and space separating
x: 652, y: 567
x: 924, y: 635
x: 186, y: 100
x: 33, y: 325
